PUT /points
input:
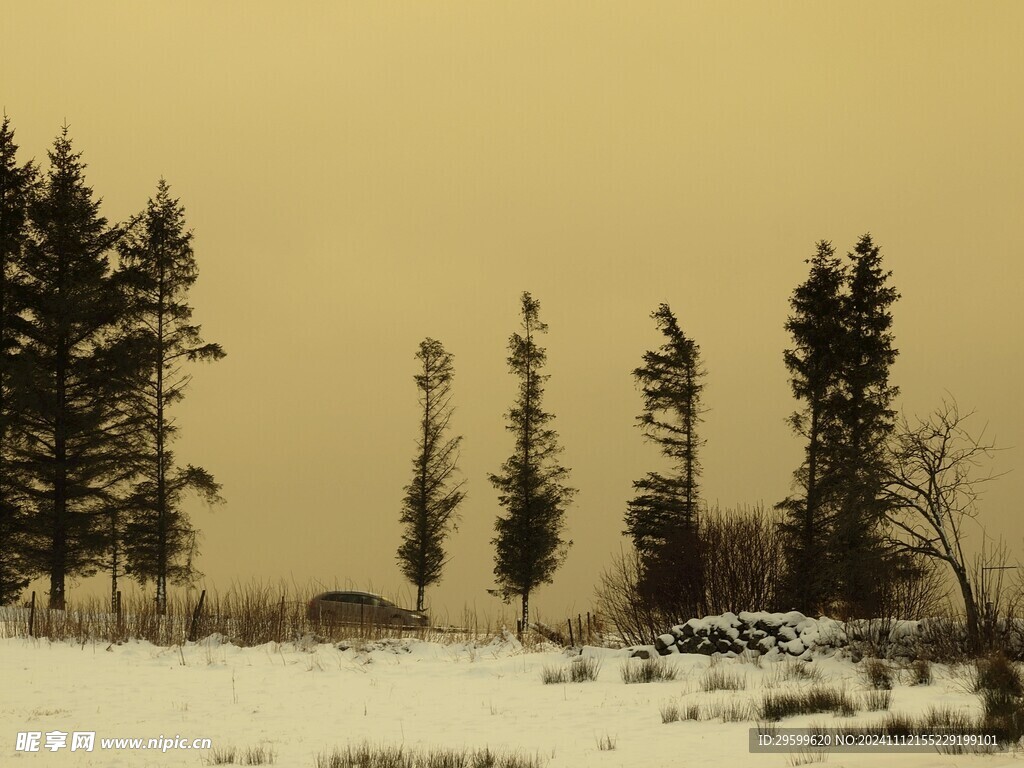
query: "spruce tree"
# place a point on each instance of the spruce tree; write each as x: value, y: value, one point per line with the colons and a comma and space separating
x: 76, y: 433
x: 531, y: 485
x: 662, y: 518
x: 815, y: 364
x: 841, y: 328
x: 16, y: 186
x: 434, y: 495
x: 858, y: 552
x: 160, y: 268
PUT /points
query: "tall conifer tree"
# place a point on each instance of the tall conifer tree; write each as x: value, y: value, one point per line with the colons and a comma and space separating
x: 531, y: 485
x: 16, y: 185
x: 858, y: 552
x: 841, y: 328
x: 433, y: 497
x: 662, y: 517
x: 77, y: 434
x: 160, y: 269
x: 815, y: 364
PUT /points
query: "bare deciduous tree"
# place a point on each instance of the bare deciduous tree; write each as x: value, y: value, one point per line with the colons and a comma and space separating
x: 932, y: 493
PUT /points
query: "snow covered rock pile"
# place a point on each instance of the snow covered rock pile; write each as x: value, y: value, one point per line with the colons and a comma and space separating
x: 769, y: 634
x: 795, y: 635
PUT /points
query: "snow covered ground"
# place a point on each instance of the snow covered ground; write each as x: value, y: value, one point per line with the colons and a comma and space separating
x: 306, y: 700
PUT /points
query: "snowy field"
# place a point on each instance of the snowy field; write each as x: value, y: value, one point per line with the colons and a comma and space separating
x: 305, y: 701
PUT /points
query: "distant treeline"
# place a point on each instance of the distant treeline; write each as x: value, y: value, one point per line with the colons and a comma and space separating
x: 877, y: 505
x: 96, y: 334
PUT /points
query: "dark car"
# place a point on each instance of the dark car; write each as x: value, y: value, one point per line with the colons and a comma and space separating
x: 361, y: 608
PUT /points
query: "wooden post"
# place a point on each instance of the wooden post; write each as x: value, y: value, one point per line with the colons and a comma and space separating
x: 195, y: 618
x: 579, y: 628
x: 571, y: 641
x: 32, y: 617
x: 120, y: 616
x: 280, y: 621
x: 589, y: 637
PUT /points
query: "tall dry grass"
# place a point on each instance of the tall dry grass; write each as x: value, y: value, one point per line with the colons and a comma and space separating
x: 245, y: 615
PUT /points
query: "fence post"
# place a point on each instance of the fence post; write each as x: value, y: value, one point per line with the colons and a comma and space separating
x: 280, y: 621
x: 589, y: 634
x: 195, y: 618
x: 32, y: 617
x: 579, y: 628
x: 571, y: 641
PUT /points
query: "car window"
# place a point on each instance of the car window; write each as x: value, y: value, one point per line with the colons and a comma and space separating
x: 354, y: 598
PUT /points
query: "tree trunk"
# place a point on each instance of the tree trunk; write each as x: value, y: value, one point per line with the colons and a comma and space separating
x: 971, y: 609
x: 526, y: 613
x: 58, y: 557
x: 807, y: 592
x: 161, y: 470
x: 115, y: 561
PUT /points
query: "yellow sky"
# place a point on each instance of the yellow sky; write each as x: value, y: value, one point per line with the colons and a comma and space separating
x: 360, y: 175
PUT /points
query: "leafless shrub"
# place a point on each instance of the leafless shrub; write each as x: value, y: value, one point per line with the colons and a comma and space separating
x: 1000, y: 595
x: 621, y: 604
x: 945, y: 639
x: 733, y: 580
x: 915, y: 590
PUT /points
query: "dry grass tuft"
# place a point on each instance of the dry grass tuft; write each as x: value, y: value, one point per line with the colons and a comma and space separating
x: 554, y: 675
x: 721, y: 679
x: 584, y: 669
x: 246, y: 615
x: 369, y: 756
x: 777, y: 705
x: 878, y: 674
x: 651, y: 670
